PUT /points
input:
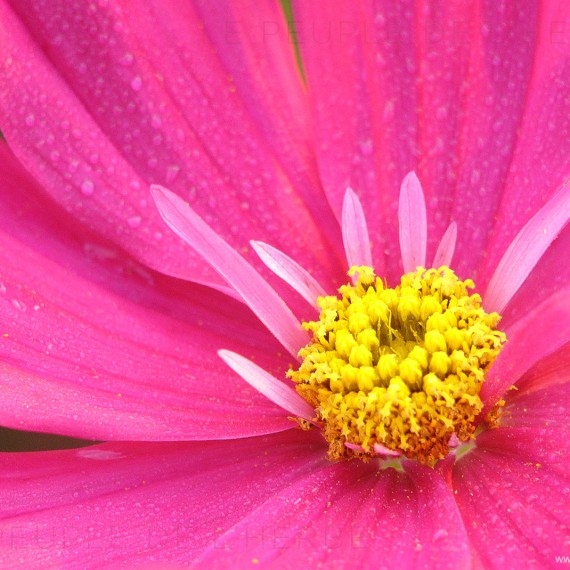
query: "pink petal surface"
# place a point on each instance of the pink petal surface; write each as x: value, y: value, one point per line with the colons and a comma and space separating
x: 446, y: 247
x: 290, y: 271
x: 348, y: 515
x: 540, y: 161
x: 412, y: 224
x: 275, y: 390
x: 78, y: 360
x: 221, y: 503
x: 253, y: 289
x: 82, y: 323
x: 149, y: 111
x: 534, y: 425
x: 547, y: 277
x: 436, y: 87
x: 526, y: 250
x: 549, y: 371
x: 355, y: 231
x: 542, y: 332
x: 513, y: 491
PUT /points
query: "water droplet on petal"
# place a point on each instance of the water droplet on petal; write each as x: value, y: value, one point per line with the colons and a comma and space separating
x: 136, y: 83
x: 87, y: 187
x: 172, y: 172
x: 134, y: 221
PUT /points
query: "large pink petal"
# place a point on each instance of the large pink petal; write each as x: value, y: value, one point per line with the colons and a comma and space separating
x: 438, y: 88
x: 548, y: 276
x: 540, y: 333
x: 540, y: 162
x: 275, y: 499
x: 513, y: 489
x: 549, y: 371
x: 83, y: 323
x: 534, y: 425
x: 349, y: 515
x: 148, y: 504
x: 104, y: 99
x: 81, y: 361
x: 526, y: 250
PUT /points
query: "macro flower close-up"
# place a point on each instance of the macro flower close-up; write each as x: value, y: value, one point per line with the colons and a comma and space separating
x: 285, y: 284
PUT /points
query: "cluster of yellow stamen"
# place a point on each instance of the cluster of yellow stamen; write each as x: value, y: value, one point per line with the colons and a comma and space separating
x: 399, y: 367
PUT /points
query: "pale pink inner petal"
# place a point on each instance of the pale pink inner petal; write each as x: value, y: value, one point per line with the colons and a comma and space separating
x: 446, y: 248
x: 261, y: 298
x: 355, y: 231
x: 413, y: 223
x: 526, y: 250
x: 275, y: 390
x: 290, y: 271
x: 383, y: 450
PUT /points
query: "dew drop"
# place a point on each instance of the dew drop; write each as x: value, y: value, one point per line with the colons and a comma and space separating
x: 126, y: 59
x: 18, y: 305
x: 87, y: 187
x: 134, y: 222
x: 172, y: 172
x: 30, y: 119
x: 136, y: 83
x: 367, y: 147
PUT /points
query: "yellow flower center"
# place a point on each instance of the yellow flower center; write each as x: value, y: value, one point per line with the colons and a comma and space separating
x: 400, y: 368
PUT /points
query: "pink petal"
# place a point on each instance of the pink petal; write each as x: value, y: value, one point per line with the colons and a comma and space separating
x: 547, y: 277
x: 516, y: 509
x: 539, y: 164
x: 549, y: 371
x: 355, y: 231
x: 437, y: 87
x: 95, y: 345
x: 221, y: 504
x: 261, y: 298
x: 348, y: 515
x: 446, y: 248
x: 413, y: 224
x: 534, y: 426
x: 154, y: 505
x: 380, y: 449
x: 526, y: 250
x: 290, y: 271
x: 102, y: 100
x: 275, y: 390
x: 542, y: 332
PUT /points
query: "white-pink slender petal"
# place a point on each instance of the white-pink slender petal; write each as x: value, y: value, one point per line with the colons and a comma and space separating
x: 353, y: 446
x: 526, y: 250
x: 355, y: 231
x: 413, y: 223
x: 446, y: 247
x: 380, y: 449
x: 257, y: 294
x: 290, y: 271
x: 272, y: 388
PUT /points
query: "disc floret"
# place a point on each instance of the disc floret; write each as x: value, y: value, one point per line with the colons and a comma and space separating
x: 401, y: 368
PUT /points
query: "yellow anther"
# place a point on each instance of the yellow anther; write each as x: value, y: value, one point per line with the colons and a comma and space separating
x: 360, y: 356
x: 440, y: 364
x: 400, y: 367
x: 387, y: 367
x: 434, y: 341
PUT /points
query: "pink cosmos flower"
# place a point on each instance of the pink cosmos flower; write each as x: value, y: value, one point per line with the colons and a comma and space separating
x: 112, y: 326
